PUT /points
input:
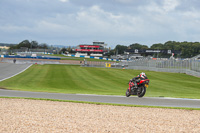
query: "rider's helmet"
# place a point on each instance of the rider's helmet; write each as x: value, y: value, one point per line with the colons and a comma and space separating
x: 142, y: 75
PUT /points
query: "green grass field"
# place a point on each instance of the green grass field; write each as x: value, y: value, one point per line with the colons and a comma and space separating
x: 104, y: 81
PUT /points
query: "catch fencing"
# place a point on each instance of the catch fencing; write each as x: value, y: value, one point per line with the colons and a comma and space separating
x: 187, y: 66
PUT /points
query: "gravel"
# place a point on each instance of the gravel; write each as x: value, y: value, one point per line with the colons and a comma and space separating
x: 30, y: 116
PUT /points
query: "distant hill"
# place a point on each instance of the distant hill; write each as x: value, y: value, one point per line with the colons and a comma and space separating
x: 6, y: 44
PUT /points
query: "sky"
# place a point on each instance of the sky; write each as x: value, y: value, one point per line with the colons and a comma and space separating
x: 115, y: 22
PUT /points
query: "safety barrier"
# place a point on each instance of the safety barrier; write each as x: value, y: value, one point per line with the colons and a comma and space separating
x: 31, y: 57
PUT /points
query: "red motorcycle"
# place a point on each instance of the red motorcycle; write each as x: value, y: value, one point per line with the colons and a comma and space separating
x: 140, y: 91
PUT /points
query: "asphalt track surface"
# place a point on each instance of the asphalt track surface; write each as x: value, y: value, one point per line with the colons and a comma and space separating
x: 8, y: 70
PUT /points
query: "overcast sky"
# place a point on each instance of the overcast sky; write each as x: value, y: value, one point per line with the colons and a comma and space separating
x: 124, y: 22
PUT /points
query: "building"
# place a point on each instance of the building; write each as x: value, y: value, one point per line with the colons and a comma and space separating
x: 95, y: 49
x: 4, y: 47
x: 151, y: 51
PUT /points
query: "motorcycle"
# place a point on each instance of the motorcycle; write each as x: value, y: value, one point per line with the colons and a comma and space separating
x: 140, y: 91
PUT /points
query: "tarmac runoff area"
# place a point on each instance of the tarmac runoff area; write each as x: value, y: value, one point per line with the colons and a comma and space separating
x: 149, y: 101
x: 8, y: 70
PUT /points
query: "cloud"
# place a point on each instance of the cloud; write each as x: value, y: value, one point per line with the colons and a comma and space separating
x: 170, y: 5
x: 125, y: 1
x: 64, y: 0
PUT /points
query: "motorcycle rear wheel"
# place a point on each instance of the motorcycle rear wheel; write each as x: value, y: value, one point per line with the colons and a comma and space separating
x: 127, y: 93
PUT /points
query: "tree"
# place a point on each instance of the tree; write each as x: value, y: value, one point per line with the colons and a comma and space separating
x: 69, y: 49
x: 157, y: 46
x: 24, y: 43
x: 196, y: 47
x: 63, y: 50
x: 111, y: 52
x: 43, y: 45
x: 138, y: 46
x: 34, y: 44
x: 119, y: 49
x: 144, y: 47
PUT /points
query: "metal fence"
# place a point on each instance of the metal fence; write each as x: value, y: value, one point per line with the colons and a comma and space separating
x: 188, y: 66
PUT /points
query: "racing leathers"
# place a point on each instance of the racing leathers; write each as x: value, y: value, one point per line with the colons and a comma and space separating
x: 136, y: 80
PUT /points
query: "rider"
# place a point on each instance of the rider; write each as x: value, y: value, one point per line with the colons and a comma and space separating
x: 138, y: 78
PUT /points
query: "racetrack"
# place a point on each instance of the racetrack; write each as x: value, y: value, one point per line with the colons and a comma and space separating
x: 22, y: 115
x: 8, y: 70
x: 150, y: 101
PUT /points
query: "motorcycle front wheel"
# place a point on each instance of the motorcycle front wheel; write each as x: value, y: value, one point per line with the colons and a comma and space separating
x: 127, y: 93
x: 141, y: 91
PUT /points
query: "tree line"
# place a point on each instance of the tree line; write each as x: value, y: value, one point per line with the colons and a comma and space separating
x: 36, y: 45
x: 187, y: 49
x: 30, y: 45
